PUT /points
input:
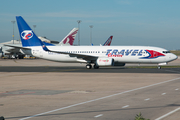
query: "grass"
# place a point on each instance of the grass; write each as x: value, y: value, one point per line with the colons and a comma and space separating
x: 176, y: 52
x: 140, y: 117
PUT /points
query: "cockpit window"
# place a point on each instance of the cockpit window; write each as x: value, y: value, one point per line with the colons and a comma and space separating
x: 166, y: 52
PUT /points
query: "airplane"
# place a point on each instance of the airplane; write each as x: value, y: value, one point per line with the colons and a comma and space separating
x: 97, y: 55
x: 10, y: 52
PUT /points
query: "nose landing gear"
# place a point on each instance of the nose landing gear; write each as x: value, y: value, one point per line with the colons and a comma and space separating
x: 159, y: 67
x: 89, y: 66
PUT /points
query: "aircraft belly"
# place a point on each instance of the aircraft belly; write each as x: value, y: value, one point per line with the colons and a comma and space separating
x: 128, y: 59
x: 132, y: 59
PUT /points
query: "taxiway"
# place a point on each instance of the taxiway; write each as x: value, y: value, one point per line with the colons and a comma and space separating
x: 35, y: 90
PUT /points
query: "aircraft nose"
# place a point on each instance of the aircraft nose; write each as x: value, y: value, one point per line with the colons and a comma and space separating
x: 174, y: 57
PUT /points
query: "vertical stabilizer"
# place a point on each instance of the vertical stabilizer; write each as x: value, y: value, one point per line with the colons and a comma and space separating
x: 108, y: 42
x: 69, y: 39
x: 28, y: 37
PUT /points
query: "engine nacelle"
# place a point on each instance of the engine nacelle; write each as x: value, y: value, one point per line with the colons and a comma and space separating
x: 105, y: 61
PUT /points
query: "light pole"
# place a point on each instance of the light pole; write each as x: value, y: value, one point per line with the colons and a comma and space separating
x: 91, y: 26
x: 13, y: 30
x: 79, y: 21
x: 34, y: 27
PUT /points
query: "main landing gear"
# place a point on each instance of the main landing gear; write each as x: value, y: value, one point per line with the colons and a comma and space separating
x: 96, y: 66
x: 89, y: 66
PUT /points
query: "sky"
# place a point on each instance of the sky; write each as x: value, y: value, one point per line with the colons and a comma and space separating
x: 131, y: 22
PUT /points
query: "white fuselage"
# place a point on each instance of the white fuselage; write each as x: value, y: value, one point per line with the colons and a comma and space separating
x: 121, y: 54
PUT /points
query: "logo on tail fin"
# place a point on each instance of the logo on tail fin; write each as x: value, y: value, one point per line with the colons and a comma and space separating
x: 108, y: 42
x: 27, y: 34
x: 70, y: 39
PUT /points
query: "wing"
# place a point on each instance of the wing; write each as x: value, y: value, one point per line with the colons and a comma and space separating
x: 89, y: 58
x: 17, y: 46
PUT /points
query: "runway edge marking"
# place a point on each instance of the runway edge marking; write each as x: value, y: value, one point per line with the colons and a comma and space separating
x: 98, y: 115
x: 99, y: 99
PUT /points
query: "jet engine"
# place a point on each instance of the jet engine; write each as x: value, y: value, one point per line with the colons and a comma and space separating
x: 105, y: 62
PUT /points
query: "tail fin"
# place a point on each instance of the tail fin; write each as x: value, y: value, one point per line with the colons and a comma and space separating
x: 69, y: 39
x: 28, y: 37
x: 108, y: 42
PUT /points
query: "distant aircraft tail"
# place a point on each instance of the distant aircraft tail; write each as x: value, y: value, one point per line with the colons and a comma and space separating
x: 28, y: 37
x: 69, y: 39
x: 108, y: 42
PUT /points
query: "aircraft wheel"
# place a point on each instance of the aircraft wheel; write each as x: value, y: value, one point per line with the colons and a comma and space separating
x: 159, y: 67
x: 96, y: 66
x: 2, y: 118
x: 88, y: 66
x: 20, y: 56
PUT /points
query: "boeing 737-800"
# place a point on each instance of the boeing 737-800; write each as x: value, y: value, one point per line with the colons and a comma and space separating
x: 97, y: 55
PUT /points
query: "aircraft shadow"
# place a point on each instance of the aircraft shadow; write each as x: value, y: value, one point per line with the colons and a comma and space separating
x: 84, y: 70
